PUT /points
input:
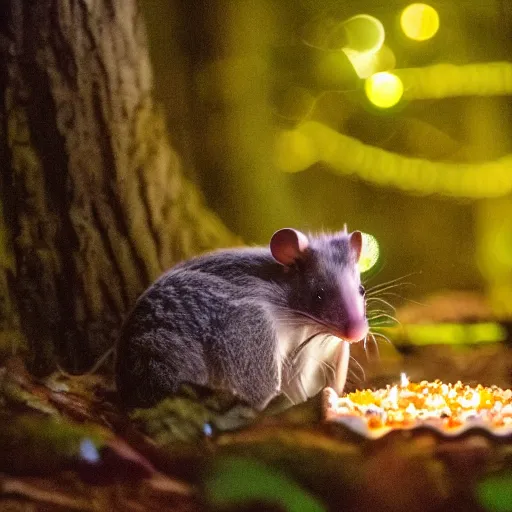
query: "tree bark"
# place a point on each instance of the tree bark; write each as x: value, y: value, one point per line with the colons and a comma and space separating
x: 95, y: 204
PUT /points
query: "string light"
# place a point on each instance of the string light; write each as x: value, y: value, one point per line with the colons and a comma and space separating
x: 450, y: 80
x: 346, y: 155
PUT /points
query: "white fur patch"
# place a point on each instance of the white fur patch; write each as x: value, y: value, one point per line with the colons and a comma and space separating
x: 308, y: 375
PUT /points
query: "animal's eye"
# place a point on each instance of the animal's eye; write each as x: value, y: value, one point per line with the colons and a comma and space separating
x: 362, y: 291
x: 320, y: 295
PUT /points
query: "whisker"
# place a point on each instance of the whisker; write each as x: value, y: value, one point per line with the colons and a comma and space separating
x: 358, y: 365
x: 392, y: 281
x: 329, y: 366
x: 314, y: 320
x: 383, y: 291
x: 294, y: 355
x: 377, y: 311
x: 297, y: 350
x: 93, y: 369
x: 373, y: 275
x: 382, y: 301
x: 294, y: 375
x: 288, y: 320
x: 378, y: 323
x: 382, y: 319
x: 382, y: 314
x: 304, y: 392
x: 326, y: 338
x: 353, y: 376
x: 404, y: 298
x: 325, y: 366
x: 380, y: 335
x: 287, y: 396
x: 375, y: 344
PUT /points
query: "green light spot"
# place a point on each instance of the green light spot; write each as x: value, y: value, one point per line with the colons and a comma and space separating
x: 234, y: 481
x: 453, y: 334
x: 495, y: 493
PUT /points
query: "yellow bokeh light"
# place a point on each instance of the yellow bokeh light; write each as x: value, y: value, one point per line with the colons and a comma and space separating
x: 384, y: 89
x: 369, y: 253
x: 419, y: 21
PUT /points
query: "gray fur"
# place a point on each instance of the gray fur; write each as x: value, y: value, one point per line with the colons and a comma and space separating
x: 217, y: 320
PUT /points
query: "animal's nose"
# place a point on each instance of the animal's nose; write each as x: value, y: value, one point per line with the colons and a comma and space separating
x: 355, y: 331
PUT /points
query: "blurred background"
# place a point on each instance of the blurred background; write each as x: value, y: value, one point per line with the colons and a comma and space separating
x: 392, y: 117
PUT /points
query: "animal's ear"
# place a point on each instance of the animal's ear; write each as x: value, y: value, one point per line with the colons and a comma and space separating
x: 356, y: 243
x: 288, y: 245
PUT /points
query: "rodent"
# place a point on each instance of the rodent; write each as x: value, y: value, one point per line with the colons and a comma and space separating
x: 256, y: 322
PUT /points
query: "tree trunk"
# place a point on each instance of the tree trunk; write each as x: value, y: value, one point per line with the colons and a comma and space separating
x: 95, y: 205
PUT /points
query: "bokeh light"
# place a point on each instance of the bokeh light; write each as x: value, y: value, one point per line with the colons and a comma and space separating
x: 364, y: 33
x: 366, y: 64
x: 369, y: 253
x: 452, y: 333
x: 419, y: 22
x: 384, y: 90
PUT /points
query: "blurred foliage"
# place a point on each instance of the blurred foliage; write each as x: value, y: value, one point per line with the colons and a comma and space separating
x: 495, y: 492
x: 234, y: 481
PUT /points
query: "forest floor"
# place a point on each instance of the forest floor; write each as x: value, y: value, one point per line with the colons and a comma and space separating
x: 65, y: 445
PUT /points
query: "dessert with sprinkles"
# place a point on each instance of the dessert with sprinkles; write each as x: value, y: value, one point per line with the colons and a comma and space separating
x: 449, y: 408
